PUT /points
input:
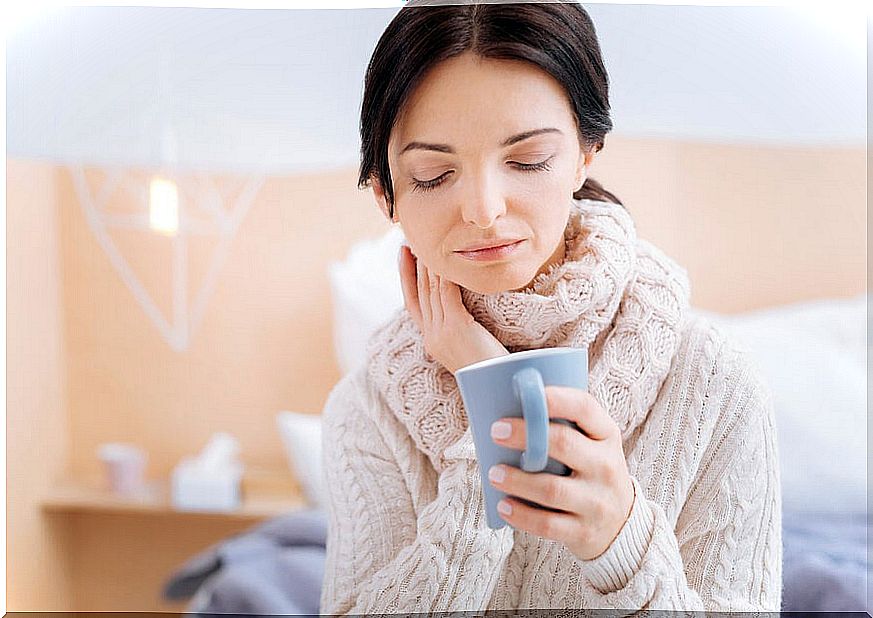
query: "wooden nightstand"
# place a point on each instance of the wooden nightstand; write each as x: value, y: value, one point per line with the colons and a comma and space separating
x: 120, y: 551
x: 265, y: 494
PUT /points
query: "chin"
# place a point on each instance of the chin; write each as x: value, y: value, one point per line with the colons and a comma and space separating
x: 496, y: 283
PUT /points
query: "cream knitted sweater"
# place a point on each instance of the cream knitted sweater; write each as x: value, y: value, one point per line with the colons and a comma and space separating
x: 704, y: 532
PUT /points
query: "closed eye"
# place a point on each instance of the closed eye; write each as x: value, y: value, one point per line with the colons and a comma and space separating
x: 427, y: 185
x: 534, y: 167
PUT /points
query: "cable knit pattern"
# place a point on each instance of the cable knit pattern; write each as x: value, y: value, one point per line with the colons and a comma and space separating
x: 407, y: 529
x: 609, y: 282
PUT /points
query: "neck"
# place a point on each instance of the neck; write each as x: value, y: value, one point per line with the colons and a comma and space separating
x: 583, y: 282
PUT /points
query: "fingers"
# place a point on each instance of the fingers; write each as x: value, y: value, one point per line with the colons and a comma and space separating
x: 549, y: 490
x: 567, y: 445
x: 436, y: 297
x: 582, y: 408
x: 408, y: 284
x: 546, y: 524
x: 423, y: 291
x: 452, y: 303
x: 429, y: 295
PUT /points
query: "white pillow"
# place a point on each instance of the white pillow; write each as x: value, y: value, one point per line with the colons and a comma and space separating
x: 814, y: 357
x: 365, y: 288
x: 301, y: 438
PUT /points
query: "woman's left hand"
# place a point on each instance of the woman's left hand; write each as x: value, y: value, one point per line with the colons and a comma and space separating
x: 593, y: 503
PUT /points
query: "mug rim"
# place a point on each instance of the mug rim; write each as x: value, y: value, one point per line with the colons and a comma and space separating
x: 497, y: 360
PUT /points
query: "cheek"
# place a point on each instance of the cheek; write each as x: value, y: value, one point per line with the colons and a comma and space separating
x: 425, y: 237
x: 546, y: 189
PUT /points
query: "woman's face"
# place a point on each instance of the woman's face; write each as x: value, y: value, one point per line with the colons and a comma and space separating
x: 457, y: 155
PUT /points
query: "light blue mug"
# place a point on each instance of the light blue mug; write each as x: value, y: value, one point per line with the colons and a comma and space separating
x: 514, y: 385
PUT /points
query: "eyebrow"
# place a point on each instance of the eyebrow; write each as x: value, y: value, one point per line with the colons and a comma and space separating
x: 507, y: 142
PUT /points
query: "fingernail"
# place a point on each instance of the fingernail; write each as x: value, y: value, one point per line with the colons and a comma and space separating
x: 504, y: 507
x: 497, y: 474
x: 501, y: 430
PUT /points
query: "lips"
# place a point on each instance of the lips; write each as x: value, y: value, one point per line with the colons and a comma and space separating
x: 488, y: 244
x: 491, y: 254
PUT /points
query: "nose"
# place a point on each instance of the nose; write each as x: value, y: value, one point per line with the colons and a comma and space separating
x: 483, y: 203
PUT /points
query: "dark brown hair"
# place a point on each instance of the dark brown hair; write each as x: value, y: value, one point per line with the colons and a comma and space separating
x: 558, y: 37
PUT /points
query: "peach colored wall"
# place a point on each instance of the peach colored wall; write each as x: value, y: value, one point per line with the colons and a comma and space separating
x: 264, y: 344
x: 37, y: 436
x: 754, y: 226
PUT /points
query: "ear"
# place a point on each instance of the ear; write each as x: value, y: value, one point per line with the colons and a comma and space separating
x: 381, y: 199
x: 582, y: 165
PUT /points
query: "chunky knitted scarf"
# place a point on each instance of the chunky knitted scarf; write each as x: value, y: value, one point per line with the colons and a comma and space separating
x: 614, y: 293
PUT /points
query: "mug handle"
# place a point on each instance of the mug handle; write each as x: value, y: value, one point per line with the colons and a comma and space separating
x: 528, y: 386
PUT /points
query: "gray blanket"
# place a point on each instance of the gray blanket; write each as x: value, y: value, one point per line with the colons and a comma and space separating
x: 277, y: 567
x: 825, y: 565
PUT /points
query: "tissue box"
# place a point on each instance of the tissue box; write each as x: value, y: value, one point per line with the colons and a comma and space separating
x: 195, y: 488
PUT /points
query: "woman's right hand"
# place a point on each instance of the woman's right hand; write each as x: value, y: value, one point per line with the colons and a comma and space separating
x: 452, y: 336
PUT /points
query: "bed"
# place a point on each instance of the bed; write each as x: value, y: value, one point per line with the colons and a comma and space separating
x: 812, y: 353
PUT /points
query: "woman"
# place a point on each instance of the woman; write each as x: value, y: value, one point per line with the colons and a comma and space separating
x: 479, y: 124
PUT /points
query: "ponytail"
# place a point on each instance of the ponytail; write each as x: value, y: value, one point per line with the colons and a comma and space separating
x: 593, y: 190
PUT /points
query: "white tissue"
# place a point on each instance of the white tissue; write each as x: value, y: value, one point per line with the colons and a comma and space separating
x: 211, y: 480
x: 221, y: 450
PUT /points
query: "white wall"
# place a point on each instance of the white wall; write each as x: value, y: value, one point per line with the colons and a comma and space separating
x: 279, y: 90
